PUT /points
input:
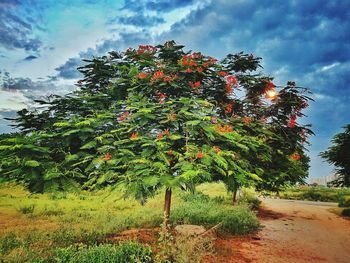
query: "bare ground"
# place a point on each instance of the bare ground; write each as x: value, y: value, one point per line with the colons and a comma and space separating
x: 293, y: 232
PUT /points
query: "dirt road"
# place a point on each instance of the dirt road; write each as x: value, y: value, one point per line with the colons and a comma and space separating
x: 294, y: 232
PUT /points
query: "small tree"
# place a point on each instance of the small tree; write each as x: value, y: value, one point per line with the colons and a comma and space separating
x: 338, y: 154
x: 152, y: 118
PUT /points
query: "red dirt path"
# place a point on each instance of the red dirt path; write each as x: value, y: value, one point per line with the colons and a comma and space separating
x: 294, y: 232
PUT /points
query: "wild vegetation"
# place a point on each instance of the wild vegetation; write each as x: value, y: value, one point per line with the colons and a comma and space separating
x: 338, y: 154
x: 319, y: 193
x: 148, y: 120
x: 81, y: 225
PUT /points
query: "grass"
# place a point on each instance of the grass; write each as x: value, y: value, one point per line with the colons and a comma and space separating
x: 123, y: 252
x: 37, y: 224
x: 316, y: 194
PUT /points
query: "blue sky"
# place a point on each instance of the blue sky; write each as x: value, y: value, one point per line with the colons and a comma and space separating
x: 43, y: 41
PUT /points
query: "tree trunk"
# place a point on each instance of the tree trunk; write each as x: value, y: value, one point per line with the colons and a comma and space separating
x: 167, y: 204
x: 234, y: 196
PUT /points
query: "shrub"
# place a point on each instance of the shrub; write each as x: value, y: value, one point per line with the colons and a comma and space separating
x: 344, y: 201
x: 125, y: 252
x: 346, y: 212
x: 26, y: 209
x: 248, y: 197
x: 235, y: 220
x: 8, y: 242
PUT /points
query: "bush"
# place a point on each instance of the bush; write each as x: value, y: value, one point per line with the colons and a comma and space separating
x: 125, y: 252
x: 346, y: 212
x: 249, y: 198
x: 8, y: 242
x: 207, y: 212
x: 344, y: 201
x: 27, y: 209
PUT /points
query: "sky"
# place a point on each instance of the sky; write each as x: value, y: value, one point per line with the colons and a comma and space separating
x: 42, y: 42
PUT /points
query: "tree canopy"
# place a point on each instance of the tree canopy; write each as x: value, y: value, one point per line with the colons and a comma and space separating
x: 160, y: 117
x: 338, y: 154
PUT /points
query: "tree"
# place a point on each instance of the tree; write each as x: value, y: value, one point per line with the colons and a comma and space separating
x: 338, y: 154
x: 157, y: 118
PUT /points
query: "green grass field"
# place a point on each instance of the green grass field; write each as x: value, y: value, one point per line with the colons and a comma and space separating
x: 324, y: 194
x: 34, y: 226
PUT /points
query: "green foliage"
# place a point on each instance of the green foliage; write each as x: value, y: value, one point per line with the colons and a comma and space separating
x: 26, y: 209
x: 316, y: 193
x: 157, y: 117
x: 124, y: 253
x: 248, y: 197
x: 344, y: 201
x: 338, y: 154
x: 201, y: 210
x: 8, y: 242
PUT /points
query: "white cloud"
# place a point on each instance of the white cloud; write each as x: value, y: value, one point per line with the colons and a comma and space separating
x: 12, y: 100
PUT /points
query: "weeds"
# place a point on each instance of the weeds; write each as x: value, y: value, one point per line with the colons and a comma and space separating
x: 204, y: 211
x: 26, y: 209
x: 124, y: 253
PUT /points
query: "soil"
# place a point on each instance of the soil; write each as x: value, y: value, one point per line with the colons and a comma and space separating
x: 293, y: 232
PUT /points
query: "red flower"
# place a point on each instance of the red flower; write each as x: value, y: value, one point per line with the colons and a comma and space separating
x: 224, y: 129
x: 200, y: 69
x: 270, y: 85
x: 229, y: 109
x: 134, y: 136
x: 107, y: 157
x: 200, y: 155
x: 162, y: 95
x: 228, y: 89
x: 142, y: 75
x: 217, y: 149
x: 295, y: 156
x: 214, y: 120
x: 197, y: 84
x: 167, y: 78
x: 192, y: 63
x: 206, y: 64
x: 292, y: 122
x: 170, y: 152
x: 212, y: 60
x: 167, y: 132
x: 222, y: 73
x: 232, y: 79
x: 188, y: 70
x: 123, y: 116
x: 247, y: 120
x: 159, y: 136
x: 157, y: 75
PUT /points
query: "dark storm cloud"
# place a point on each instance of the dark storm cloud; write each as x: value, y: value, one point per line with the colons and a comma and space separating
x: 30, y: 57
x: 16, y: 31
x: 32, y: 89
x: 69, y: 69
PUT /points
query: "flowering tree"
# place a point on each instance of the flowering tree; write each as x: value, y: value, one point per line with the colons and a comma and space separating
x: 159, y: 118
